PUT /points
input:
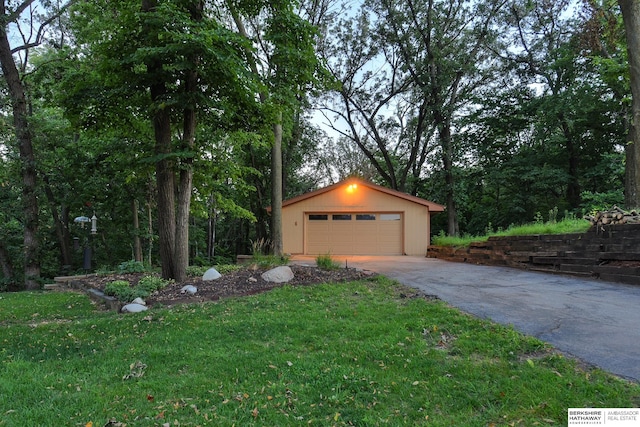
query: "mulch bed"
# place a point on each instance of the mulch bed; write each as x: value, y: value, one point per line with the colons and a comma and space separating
x: 247, y: 281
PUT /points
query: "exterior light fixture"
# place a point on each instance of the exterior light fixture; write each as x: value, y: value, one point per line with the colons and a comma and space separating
x: 82, y: 220
x: 352, y: 187
x: 94, y: 224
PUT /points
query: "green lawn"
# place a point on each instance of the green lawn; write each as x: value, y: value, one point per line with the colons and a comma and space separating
x: 565, y: 226
x: 359, y: 353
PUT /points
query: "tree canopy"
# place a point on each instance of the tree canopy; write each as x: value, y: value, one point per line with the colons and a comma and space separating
x: 178, y: 123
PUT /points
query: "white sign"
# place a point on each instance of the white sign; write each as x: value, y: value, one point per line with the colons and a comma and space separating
x: 611, y: 417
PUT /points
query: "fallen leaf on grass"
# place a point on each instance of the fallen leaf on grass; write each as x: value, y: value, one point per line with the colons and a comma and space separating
x: 136, y: 370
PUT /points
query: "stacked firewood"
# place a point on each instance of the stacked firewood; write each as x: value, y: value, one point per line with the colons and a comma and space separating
x: 615, y: 215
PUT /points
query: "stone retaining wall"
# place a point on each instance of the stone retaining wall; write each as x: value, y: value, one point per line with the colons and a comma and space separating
x: 609, y: 252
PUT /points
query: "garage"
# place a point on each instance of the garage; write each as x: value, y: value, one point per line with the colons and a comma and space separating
x: 357, y: 217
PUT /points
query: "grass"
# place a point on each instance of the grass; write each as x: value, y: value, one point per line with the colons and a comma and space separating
x: 335, y: 354
x: 551, y: 227
x: 326, y: 262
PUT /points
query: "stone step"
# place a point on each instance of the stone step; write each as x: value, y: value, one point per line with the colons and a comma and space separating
x: 621, y: 278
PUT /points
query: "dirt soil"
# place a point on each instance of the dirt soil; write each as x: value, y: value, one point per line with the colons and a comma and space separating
x: 247, y: 281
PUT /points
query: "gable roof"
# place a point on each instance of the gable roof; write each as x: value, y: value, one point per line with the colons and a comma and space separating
x: 433, y: 207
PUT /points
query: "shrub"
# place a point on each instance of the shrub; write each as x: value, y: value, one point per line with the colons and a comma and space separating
x: 267, y: 261
x: 228, y: 268
x: 131, y: 266
x: 122, y: 290
x: 326, y: 262
x: 196, y: 270
x: 150, y: 284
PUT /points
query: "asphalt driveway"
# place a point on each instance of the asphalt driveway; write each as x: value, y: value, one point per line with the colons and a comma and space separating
x: 596, y: 321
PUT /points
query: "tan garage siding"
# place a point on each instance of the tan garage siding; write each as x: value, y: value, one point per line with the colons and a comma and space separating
x: 410, y: 235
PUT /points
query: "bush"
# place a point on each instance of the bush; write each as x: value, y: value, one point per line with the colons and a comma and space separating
x: 326, y: 262
x: 228, y: 268
x: 131, y: 266
x: 268, y: 261
x: 196, y: 270
x: 150, y: 284
x: 122, y: 290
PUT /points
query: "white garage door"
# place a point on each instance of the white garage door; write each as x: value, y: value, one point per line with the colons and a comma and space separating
x: 354, y: 233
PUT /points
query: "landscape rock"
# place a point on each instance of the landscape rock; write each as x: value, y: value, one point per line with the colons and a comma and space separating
x: 280, y: 274
x: 134, y: 308
x: 211, y: 274
x: 189, y: 289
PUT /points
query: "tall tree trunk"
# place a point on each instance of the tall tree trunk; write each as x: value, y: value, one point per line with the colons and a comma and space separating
x: 573, y: 186
x: 6, y: 265
x: 60, y: 226
x: 184, y: 189
x: 27, y: 158
x: 211, y: 229
x: 276, y: 187
x: 137, y: 245
x: 165, y: 166
x: 165, y: 180
x: 446, y: 142
x: 631, y: 17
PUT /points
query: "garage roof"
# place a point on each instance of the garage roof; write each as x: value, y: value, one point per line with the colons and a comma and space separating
x: 433, y: 207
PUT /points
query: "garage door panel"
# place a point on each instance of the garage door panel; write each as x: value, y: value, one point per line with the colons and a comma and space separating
x: 319, y: 229
x: 354, y: 234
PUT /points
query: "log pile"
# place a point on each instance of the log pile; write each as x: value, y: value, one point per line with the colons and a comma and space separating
x: 615, y: 215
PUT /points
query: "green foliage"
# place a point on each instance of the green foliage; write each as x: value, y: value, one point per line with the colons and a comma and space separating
x: 270, y: 260
x: 340, y: 366
x: 122, y: 290
x: 567, y: 225
x: 326, y: 262
x: 146, y: 286
x: 262, y: 257
x: 228, y: 268
x: 197, y: 271
x: 131, y: 266
x: 597, y: 202
x: 150, y: 284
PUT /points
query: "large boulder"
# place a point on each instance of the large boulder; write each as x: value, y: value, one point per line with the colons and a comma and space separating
x: 134, y: 308
x: 278, y: 275
x: 211, y: 274
x: 189, y: 289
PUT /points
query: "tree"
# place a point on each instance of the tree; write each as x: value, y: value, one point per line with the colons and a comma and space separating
x: 184, y: 62
x: 444, y: 47
x: 10, y: 13
x: 288, y: 68
x: 372, y: 106
x: 631, y: 17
